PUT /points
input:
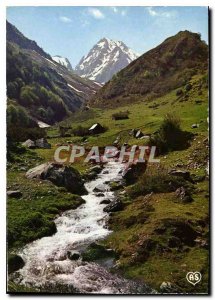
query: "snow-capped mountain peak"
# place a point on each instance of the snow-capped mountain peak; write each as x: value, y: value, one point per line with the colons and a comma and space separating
x: 104, y: 60
x: 63, y: 61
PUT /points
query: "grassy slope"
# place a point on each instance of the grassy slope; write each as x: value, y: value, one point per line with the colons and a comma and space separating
x: 31, y: 216
x: 143, y: 116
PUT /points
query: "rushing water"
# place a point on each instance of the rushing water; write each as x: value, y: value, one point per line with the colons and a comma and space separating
x: 46, y: 261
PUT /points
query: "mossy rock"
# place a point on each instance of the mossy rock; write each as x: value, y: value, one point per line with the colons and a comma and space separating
x: 114, y: 186
x: 97, y: 252
x: 15, y: 262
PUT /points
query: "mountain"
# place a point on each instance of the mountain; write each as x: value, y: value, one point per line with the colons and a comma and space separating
x: 160, y: 70
x: 46, y: 90
x: 62, y: 61
x: 15, y: 36
x: 104, y: 60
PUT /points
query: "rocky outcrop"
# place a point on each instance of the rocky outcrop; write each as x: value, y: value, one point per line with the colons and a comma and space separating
x: 59, y: 175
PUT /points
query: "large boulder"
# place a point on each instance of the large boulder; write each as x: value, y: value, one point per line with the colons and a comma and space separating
x: 60, y: 175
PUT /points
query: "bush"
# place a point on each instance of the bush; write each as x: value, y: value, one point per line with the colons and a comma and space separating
x: 80, y: 131
x: 188, y: 87
x: 179, y: 92
x: 156, y: 181
x: 122, y: 115
x: 170, y: 137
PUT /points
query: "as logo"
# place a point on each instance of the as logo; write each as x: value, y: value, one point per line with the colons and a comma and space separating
x: 194, y: 277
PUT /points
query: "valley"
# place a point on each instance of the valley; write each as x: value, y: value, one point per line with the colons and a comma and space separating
x: 153, y: 226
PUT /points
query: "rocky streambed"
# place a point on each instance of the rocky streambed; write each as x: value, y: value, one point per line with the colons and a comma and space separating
x: 54, y: 261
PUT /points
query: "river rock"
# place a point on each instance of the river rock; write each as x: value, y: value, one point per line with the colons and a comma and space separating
x: 114, y: 186
x: 73, y: 255
x: 100, y: 188
x: 59, y: 175
x: 100, y: 195
x: 97, y: 169
x: 105, y: 201
x: 115, y: 205
x: 14, y: 194
x: 93, y: 172
x: 105, y: 172
x: 96, y: 251
x: 15, y: 262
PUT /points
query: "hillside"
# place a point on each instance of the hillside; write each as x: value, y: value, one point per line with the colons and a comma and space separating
x: 162, y: 69
x: 45, y: 89
x: 105, y: 59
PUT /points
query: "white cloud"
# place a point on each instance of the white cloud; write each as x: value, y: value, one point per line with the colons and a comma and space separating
x: 155, y: 13
x: 96, y: 13
x: 65, y: 19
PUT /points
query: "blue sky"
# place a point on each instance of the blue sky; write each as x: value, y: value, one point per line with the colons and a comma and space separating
x: 72, y: 31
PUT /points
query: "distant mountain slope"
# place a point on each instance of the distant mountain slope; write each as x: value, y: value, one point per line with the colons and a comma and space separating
x: 46, y: 89
x: 162, y: 69
x: 63, y: 61
x: 15, y: 36
x: 104, y: 60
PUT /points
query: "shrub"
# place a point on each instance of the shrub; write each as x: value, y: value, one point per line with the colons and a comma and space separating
x: 121, y: 115
x: 188, y: 87
x: 80, y: 131
x: 170, y: 137
x: 179, y: 92
x: 156, y: 181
